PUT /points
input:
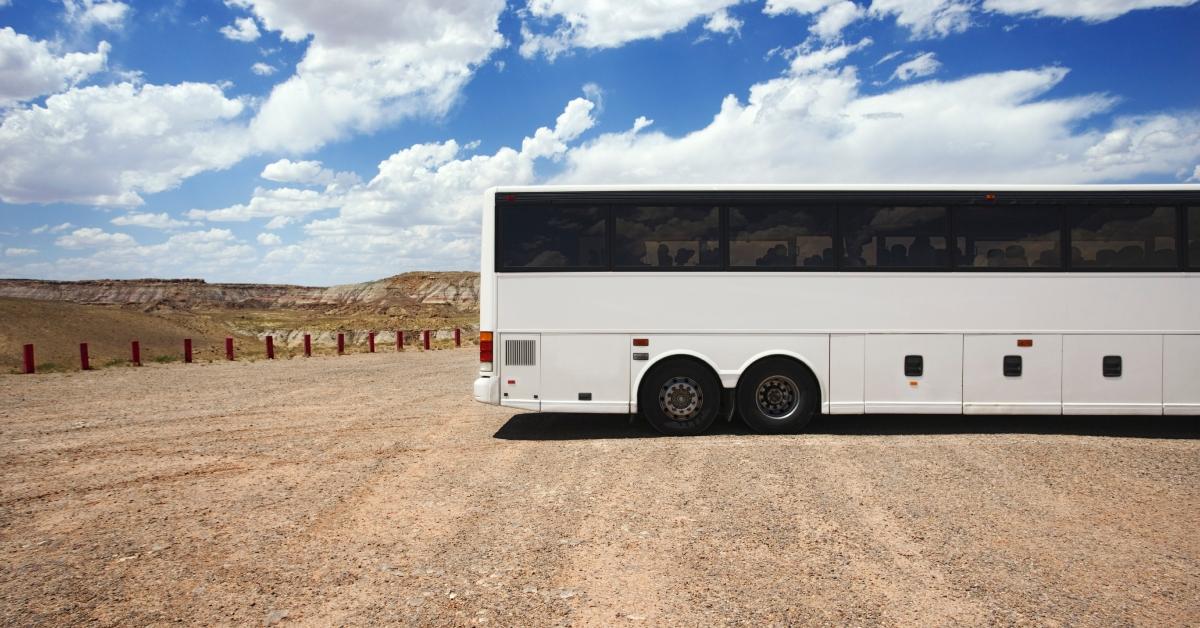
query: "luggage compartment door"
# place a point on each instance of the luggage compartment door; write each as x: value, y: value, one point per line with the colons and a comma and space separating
x: 1005, y: 374
x: 1112, y: 374
x: 520, y: 371
x: 914, y: 373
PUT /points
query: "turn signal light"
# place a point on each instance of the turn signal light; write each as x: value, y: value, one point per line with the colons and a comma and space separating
x: 485, y: 347
x: 1025, y: 342
x: 641, y: 342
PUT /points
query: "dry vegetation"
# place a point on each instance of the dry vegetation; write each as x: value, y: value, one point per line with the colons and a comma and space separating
x: 370, y: 489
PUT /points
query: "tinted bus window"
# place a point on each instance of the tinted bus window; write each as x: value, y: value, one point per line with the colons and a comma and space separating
x: 667, y: 237
x: 1008, y: 237
x: 1123, y: 237
x: 781, y: 237
x: 551, y: 237
x: 894, y: 237
x: 1193, y: 237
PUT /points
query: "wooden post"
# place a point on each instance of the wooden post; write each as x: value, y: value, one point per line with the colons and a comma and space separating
x: 400, y: 340
x: 457, y: 337
x: 228, y: 348
x: 136, y: 351
x: 425, y: 338
x: 84, y: 363
x: 270, y: 347
x: 371, y: 342
x: 308, y: 345
x: 341, y: 343
x: 187, y: 350
x: 29, y: 367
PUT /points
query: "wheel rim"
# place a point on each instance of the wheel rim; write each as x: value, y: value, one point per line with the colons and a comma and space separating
x: 681, y: 398
x: 777, y: 397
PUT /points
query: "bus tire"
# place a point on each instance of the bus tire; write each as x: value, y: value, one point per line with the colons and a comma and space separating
x: 777, y: 395
x: 680, y: 397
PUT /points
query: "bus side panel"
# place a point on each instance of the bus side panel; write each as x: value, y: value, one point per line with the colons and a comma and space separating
x: 1032, y: 385
x: 730, y: 354
x: 847, y: 368
x: 1181, y: 376
x: 1088, y: 389
x: 891, y: 387
x: 585, y: 373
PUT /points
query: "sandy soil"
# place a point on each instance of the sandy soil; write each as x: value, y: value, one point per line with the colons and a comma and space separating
x: 370, y: 489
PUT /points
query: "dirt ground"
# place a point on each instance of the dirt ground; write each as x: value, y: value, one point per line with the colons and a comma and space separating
x: 371, y: 489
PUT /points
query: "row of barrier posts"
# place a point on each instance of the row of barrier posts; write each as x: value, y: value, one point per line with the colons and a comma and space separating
x: 135, y: 348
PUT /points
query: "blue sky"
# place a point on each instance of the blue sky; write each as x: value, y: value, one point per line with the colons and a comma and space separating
x: 314, y: 142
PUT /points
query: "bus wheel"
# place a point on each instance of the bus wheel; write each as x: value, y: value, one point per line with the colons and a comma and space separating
x: 777, y: 396
x: 680, y: 397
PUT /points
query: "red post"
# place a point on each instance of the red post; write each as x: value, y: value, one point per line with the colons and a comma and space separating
x: 341, y: 343
x: 29, y: 368
x: 425, y: 338
x: 457, y: 337
x: 136, y: 350
x: 308, y: 345
x: 228, y: 348
x: 187, y: 350
x: 270, y: 347
x: 371, y: 341
x: 84, y: 363
x: 400, y: 340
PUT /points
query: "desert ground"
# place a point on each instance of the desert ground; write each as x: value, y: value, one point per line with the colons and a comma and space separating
x: 371, y: 489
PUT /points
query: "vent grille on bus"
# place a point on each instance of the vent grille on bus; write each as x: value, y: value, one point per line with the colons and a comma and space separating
x: 520, y: 353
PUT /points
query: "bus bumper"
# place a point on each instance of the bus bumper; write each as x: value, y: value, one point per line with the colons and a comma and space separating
x: 487, y: 390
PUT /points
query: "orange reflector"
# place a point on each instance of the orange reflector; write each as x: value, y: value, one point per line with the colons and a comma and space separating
x: 1025, y: 342
x: 641, y: 342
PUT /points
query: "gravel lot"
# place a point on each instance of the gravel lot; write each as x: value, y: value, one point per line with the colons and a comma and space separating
x: 371, y: 489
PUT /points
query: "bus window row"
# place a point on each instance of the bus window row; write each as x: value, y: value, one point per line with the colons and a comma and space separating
x: 545, y: 237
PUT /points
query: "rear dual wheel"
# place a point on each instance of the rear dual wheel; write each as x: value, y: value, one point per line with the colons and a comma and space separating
x: 777, y: 396
x: 680, y: 397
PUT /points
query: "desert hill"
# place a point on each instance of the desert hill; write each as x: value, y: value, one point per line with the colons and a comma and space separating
x: 57, y: 315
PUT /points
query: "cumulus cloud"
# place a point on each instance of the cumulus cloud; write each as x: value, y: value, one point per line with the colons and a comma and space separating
x: 1088, y: 10
x: 117, y: 142
x: 92, y: 238
x: 87, y: 14
x: 215, y: 254
x: 243, y: 29
x: 49, y: 229
x: 269, y: 239
x: 29, y: 68
x: 553, y: 27
x: 831, y: 17
x: 805, y: 59
x: 923, y: 64
x: 18, y: 252
x: 368, y: 64
x: 819, y: 127
x: 149, y: 221
x: 927, y: 18
x: 263, y: 69
x: 724, y: 23
x: 301, y: 172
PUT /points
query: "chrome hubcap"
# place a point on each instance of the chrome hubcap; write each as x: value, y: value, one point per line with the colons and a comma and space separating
x: 777, y: 397
x: 680, y: 398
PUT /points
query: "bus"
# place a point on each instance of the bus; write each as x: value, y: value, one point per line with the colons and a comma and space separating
x: 690, y: 303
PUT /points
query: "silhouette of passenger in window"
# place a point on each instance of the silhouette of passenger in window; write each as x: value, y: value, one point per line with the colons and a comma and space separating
x: 664, y: 256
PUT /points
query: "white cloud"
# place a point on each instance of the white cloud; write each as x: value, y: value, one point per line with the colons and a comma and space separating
x: 16, y: 252
x: 553, y: 27
x: 29, y: 68
x: 92, y: 238
x: 927, y: 18
x: 267, y: 203
x: 149, y: 221
x: 805, y: 60
x: 1088, y: 10
x: 117, y: 142
x: 263, y: 69
x: 214, y: 254
x: 302, y: 172
x: 369, y: 63
x: 55, y: 229
x: 832, y: 16
x: 723, y: 22
x: 269, y: 239
x: 243, y: 29
x: 923, y: 64
x: 279, y: 222
x: 87, y: 14
x: 817, y: 126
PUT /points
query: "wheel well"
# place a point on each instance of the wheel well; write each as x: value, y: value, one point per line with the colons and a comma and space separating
x: 677, y: 358
x: 779, y: 356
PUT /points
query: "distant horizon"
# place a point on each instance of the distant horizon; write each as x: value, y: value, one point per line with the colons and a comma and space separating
x: 299, y: 143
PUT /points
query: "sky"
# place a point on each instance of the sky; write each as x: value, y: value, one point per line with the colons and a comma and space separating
x: 319, y: 143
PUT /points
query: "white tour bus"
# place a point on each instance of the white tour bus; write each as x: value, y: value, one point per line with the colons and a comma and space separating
x: 689, y: 303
